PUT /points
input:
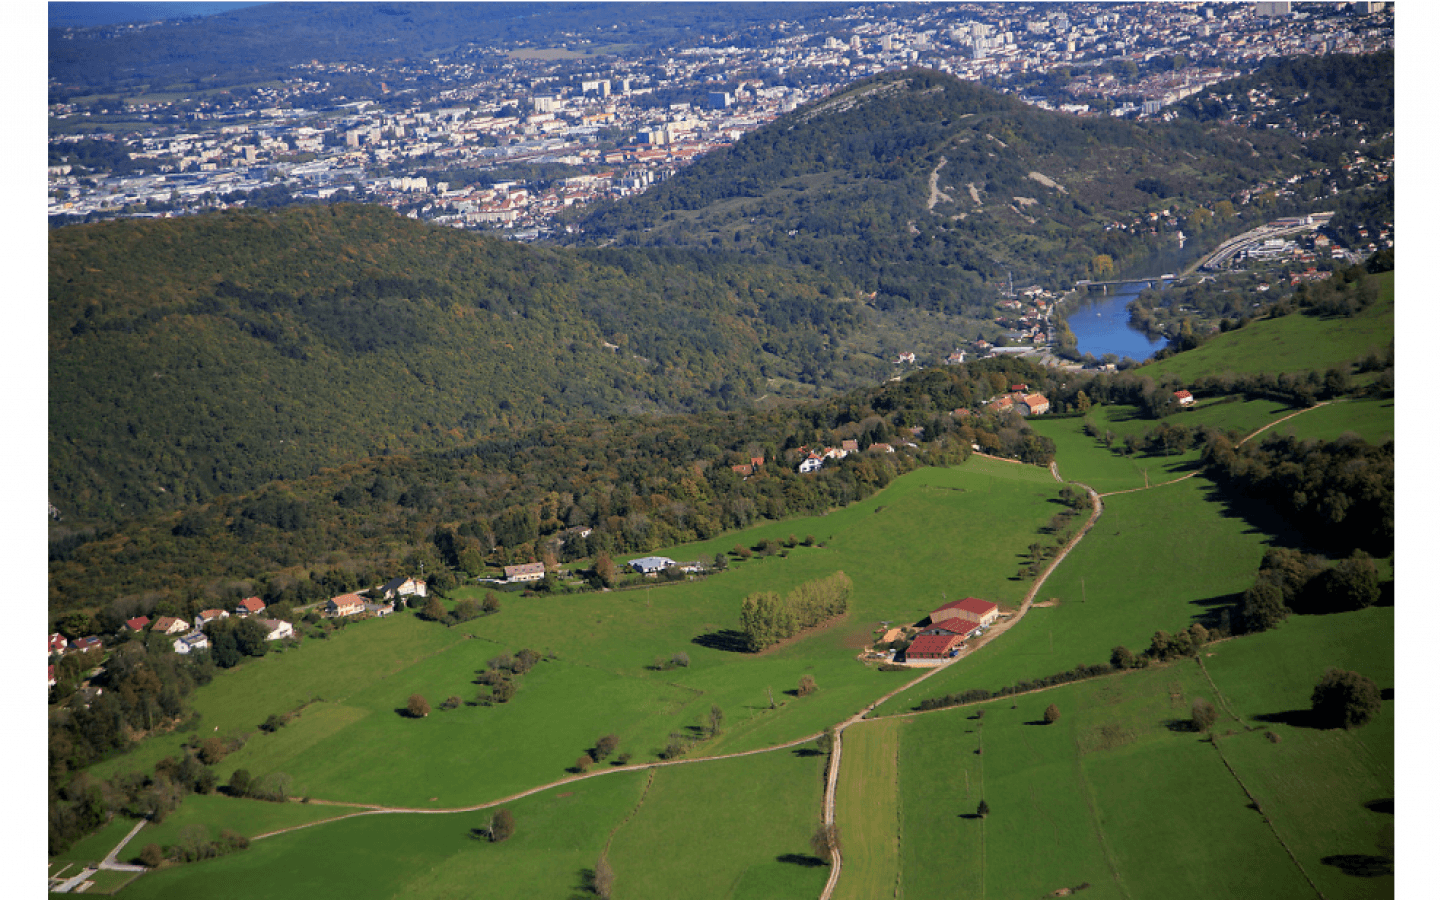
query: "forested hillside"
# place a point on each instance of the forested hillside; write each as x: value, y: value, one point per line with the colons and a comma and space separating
x: 932, y: 192
x: 207, y: 355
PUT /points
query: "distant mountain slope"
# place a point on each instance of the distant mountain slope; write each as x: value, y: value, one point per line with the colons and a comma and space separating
x: 934, y: 191
x: 196, y: 356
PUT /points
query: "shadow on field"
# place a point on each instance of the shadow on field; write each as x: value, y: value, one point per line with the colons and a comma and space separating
x: 1295, y: 718
x: 1384, y: 805
x: 801, y: 859
x: 729, y: 640
x: 1259, y: 515
x: 1361, y: 865
x: 806, y: 752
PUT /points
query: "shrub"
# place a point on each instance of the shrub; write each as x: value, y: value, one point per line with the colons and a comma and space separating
x: 1052, y: 714
x: 451, y: 702
x: 807, y: 686
x: 502, y: 826
x: 417, y: 707
x: 1202, y: 714
x: 152, y: 855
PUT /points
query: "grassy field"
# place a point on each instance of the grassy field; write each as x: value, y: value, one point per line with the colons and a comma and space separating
x: 216, y: 811
x: 1292, y: 343
x: 94, y: 848
x: 1373, y: 420
x: 867, y: 810
x: 1156, y: 560
x: 737, y: 828
x: 933, y: 535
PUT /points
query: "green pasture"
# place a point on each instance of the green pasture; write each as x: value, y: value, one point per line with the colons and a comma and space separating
x: 1099, y: 798
x: 1293, y: 343
x: 736, y: 828
x: 217, y: 811
x: 867, y: 810
x: 108, y: 881
x: 1155, y: 560
x: 557, y: 834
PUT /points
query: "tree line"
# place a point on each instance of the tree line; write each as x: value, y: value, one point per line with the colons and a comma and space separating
x: 767, y: 618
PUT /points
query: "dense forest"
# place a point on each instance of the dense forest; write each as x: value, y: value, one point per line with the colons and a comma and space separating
x: 843, y: 186
x: 208, y: 355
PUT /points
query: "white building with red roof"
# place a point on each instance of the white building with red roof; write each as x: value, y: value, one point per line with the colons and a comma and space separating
x: 249, y: 606
x: 971, y: 609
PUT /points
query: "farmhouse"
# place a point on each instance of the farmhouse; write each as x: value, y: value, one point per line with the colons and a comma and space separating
x: 1184, y: 398
x: 344, y: 605
x: 249, y: 606
x: 401, y: 586
x: 953, y: 625
x: 971, y: 609
x: 1033, y: 405
x: 534, y: 571
x: 649, y: 565
x: 58, y: 644
x: 933, y: 646
x: 170, y: 625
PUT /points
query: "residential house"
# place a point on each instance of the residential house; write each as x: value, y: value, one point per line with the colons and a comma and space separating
x: 956, y: 358
x: 1184, y: 398
x: 249, y: 606
x: 138, y: 623
x: 277, y: 629
x: 170, y: 625
x: 649, y: 565
x: 811, y: 463
x: 757, y: 461
x: 881, y: 448
x: 534, y: 571
x: 905, y: 358
x: 933, y: 646
x: 344, y: 605
x: 209, y: 615
x: 850, y: 446
x: 1000, y: 404
x: 961, y: 413
x: 746, y: 470
x: 195, y: 640
x: 971, y: 609
x: 58, y: 644
x: 401, y: 586
x: 380, y: 610
x: 85, y: 644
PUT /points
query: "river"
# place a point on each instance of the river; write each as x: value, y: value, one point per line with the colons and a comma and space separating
x: 1102, y: 325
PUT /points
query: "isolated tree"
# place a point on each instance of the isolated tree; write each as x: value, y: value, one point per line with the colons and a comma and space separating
x: 825, y: 841
x: 807, y: 685
x: 605, y: 570
x: 418, y: 707
x: 983, y: 809
x: 1202, y: 714
x: 1344, y: 699
x: 212, y: 751
x: 717, y: 719
x: 1052, y: 714
x: 152, y: 855
x: 722, y: 562
x: 680, y: 660
x: 491, y: 604
x: 502, y: 826
x: 602, y: 881
x: 583, y: 763
x: 605, y: 746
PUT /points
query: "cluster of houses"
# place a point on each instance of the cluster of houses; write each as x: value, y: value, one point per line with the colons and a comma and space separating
x: 943, y: 632
x: 815, y: 459
x: 645, y: 565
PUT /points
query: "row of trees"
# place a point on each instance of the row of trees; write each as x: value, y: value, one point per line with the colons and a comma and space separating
x: 766, y: 618
x: 1290, y: 581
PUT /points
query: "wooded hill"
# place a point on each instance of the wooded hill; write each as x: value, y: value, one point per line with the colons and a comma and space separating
x: 205, y: 355
x: 844, y: 185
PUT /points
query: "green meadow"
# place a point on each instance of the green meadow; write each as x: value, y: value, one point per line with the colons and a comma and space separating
x: 243, y: 816
x: 1293, y: 343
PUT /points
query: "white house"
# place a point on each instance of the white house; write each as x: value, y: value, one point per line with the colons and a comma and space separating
x: 402, y: 587
x: 195, y: 640
x: 649, y: 565
x: 278, y: 629
x: 811, y: 464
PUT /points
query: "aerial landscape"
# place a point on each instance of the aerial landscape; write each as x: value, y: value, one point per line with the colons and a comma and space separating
x: 734, y: 450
